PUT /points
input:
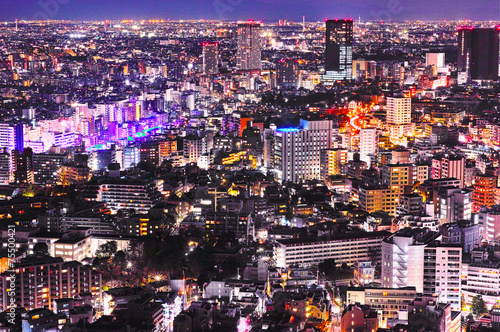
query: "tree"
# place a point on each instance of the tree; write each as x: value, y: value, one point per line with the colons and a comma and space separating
x: 41, y: 249
x: 478, y: 306
x: 329, y: 268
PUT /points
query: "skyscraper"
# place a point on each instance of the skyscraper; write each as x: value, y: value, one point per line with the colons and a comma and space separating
x: 338, y: 53
x: 286, y: 73
x: 210, y: 58
x: 248, y: 54
x: 478, y: 50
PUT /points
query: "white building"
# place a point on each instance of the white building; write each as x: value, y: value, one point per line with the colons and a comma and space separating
x: 482, y: 277
x: 368, y: 145
x: 399, y: 118
x: 297, y: 151
x: 344, y: 248
x: 398, y: 111
x: 194, y: 148
x: 410, y: 258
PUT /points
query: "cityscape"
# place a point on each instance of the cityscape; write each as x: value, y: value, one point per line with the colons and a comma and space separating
x: 168, y: 175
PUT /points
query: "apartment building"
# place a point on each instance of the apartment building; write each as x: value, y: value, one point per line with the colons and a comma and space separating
x: 344, y: 248
x: 40, y: 280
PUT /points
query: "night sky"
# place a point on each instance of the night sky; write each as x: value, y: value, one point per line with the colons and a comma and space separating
x: 369, y: 10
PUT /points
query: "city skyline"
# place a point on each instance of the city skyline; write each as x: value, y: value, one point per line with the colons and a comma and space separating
x: 368, y: 10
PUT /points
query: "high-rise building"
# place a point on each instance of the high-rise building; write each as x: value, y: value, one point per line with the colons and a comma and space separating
x: 46, y: 167
x: 194, y: 148
x: 297, y: 151
x: 398, y: 110
x: 332, y: 162
x: 398, y: 117
x: 338, y: 53
x: 4, y: 167
x: 286, y: 73
x: 368, y: 145
x: 484, y: 192
x: 9, y: 136
x: 478, y: 50
x: 210, y: 58
x: 248, y: 54
x: 410, y: 257
x: 22, y: 163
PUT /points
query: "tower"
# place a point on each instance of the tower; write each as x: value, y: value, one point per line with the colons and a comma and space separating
x: 338, y: 53
x: 478, y: 50
x: 210, y: 58
x: 248, y: 55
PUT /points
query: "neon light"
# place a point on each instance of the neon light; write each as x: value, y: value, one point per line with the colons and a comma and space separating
x: 288, y: 130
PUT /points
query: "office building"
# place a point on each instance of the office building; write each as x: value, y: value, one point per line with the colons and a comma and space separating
x: 454, y: 204
x: 344, y: 248
x: 210, y: 58
x: 194, y: 148
x: 478, y: 50
x: 481, y: 276
x: 338, y: 52
x: 297, y: 151
x: 398, y: 110
x: 248, y: 53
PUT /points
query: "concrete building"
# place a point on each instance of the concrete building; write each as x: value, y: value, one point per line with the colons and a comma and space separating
x: 449, y: 167
x: 359, y: 318
x: 344, y: 248
x: 368, y: 145
x: 386, y: 301
x: 248, y: 52
x: 40, y: 280
x: 410, y: 257
x: 297, y: 151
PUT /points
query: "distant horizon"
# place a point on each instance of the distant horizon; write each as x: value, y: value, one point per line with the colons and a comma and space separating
x: 265, y: 10
x: 166, y: 20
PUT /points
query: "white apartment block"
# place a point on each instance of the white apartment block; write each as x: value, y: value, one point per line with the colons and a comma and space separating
x: 344, y: 248
x: 410, y: 258
x: 398, y: 111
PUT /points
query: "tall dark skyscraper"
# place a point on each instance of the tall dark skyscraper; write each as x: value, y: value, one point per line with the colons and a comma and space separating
x: 478, y: 50
x: 338, y: 53
x: 210, y: 58
x: 248, y: 55
x: 286, y: 73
